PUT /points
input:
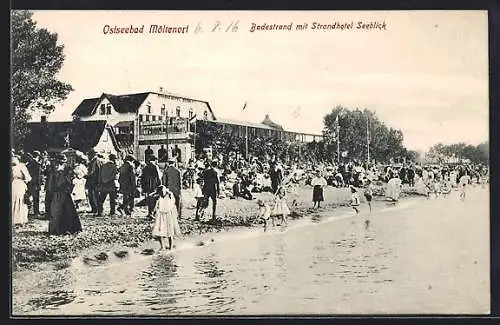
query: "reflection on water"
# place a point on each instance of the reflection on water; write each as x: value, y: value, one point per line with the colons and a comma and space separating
x: 291, y: 270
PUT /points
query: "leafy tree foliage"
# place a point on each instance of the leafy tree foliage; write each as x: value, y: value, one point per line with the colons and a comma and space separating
x: 440, y: 152
x: 385, y: 142
x: 36, y: 58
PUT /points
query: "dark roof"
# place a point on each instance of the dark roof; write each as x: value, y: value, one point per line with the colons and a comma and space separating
x: 129, y: 103
x: 267, y: 121
x: 122, y: 104
x: 86, y: 107
x: 83, y: 135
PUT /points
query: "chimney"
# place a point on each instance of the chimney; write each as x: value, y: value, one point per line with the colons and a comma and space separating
x: 161, y: 90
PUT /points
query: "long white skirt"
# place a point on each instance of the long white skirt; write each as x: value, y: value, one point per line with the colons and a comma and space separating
x: 19, y: 208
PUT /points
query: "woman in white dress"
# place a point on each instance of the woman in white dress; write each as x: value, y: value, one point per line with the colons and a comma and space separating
x: 20, y: 179
x: 393, y: 190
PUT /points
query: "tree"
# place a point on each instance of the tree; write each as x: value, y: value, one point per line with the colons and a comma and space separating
x: 440, y: 153
x: 385, y: 143
x: 36, y: 58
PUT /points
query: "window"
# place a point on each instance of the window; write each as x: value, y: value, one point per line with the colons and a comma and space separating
x: 178, y: 111
x: 153, y: 118
x: 149, y: 107
x: 108, y: 109
x: 102, y: 110
x: 205, y: 115
x: 147, y: 118
x: 141, y: 118
x: 191, y: 113
x: 162, y: 109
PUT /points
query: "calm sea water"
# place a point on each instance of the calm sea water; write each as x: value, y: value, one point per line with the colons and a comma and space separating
x: 324, y: 264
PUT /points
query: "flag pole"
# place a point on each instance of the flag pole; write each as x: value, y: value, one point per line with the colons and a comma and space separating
x: 338, y: 139
x: 368, y: 139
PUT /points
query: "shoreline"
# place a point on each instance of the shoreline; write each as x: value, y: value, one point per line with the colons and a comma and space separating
x: 35, y: 250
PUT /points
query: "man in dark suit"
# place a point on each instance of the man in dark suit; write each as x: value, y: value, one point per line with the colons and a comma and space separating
x: 211, y: 188
x: 150, y: 180
x: 172, y: 179
x: 162, y: 154
x: 109, y: 172
x: 148, y: 153
x: 128, y: 184
x: 92, y: 183
x: 276, y: 177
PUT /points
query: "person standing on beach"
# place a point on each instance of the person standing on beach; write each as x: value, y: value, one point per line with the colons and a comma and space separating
x: 63, y: 216
x: 128, y: 184
x: 281, y: 210
x: 276, y: 177
x: 211, y: 186
x: 34, y: 186
x: 318, y: 183
x: 369, y: 194
x: 108, y: 177
x: 20, y: 178
x: 150, y: 180
x: 463, y: 184
x: 166, y: 224
x: 172, y: 179
x: 92, y: 182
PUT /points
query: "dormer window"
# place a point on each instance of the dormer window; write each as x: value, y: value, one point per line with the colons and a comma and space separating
x: 178, y: 111
x: 102, y: 109
x: 149, y: 107
x: 108, y: 109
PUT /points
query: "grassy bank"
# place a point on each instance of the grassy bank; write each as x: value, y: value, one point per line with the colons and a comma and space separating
x: 31, y: 244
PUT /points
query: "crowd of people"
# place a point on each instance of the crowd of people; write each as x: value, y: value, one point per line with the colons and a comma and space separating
x: 94, y: 178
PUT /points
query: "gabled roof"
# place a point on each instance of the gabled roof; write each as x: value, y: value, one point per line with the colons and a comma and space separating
x: 83, y: 135
x: 86, y: 107
x: 128, y: 103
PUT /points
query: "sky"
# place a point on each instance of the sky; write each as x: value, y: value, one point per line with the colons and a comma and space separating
x: 426, y: 73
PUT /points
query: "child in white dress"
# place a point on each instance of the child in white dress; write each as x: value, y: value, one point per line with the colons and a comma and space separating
x: 165, y: 214
x: 281, y: 210
x: 264, y: 213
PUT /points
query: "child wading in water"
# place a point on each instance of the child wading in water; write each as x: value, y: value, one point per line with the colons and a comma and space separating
x: 281, y: 210
x: 368, y: 196
x: 355, y: 201
x: 264, y: 213
x: 165, y: 214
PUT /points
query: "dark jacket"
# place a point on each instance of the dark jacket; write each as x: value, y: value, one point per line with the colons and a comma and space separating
x: 211, y: 182
x: 108, y: 174
x: 150, y: 179
x: 35, y: 170
x: 127, y: 179
x: 94, y: 171
x: 172, y: 179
